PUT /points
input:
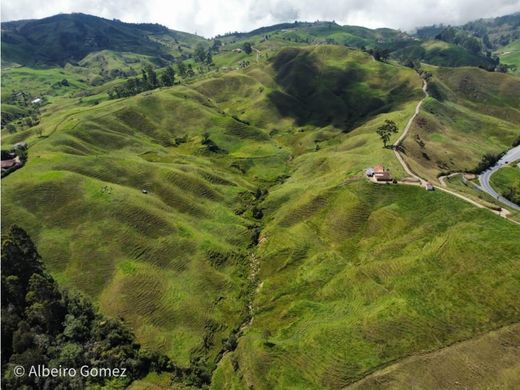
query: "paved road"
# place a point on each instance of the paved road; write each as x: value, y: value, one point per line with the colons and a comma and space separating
x: 510, y: 156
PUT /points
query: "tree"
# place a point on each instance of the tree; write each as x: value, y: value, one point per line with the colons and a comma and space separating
x: 386, y: 130
x: 44, y: 324
x: 182, y: 68
x: 381, y: 54
x: 209, y: 58
x: 151, y: 77
x: 168, y: 77
x: 247, y: 48
x: 11, y: 128
x: 200, y: 53
x: 190, y: 72
x: 217, y: 43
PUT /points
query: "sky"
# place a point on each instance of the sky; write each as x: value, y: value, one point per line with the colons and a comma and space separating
x: 211, y: 17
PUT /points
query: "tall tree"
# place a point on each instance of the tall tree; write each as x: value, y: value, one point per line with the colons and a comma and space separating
x: 168, y: 77
x: 247, y: 47
x: 151, y: 76
x: 200, y: 53
x: 181, y: 66
x: 386, y: 130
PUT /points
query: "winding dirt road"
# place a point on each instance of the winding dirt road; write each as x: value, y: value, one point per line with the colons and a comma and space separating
x: 407, y: 169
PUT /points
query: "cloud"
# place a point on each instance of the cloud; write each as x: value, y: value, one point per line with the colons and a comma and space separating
x: 211, y: 17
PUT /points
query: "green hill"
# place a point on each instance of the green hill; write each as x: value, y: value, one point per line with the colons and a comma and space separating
x: 471, y: 112
x: 228, y: 223
x: 510, y: 55
x: 506, y: 181
x: 64, y: 38
x: 227, y: 219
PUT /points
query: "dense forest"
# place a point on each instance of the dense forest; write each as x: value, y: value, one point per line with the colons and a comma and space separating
x: 43, y: 324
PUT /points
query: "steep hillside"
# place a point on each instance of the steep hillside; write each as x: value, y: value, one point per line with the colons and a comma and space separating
x: 455, y: 366
x: 492, y: 33
x: 470, y: 113
x: 228, y: 223
x: 442, y: 53
x: 64, y: 38
x: 354, y: 276
x: 173, y: 261
x: 506, y: 181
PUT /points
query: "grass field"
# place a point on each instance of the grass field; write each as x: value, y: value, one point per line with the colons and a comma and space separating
x: 356, y: 276
x: 506, y: 181
x: 510, y: 55
x: 455, y: 366
x: 352, y: 276
x: 470, y: 112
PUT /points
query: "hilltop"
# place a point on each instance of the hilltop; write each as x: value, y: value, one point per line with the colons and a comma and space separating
x: 64, y: 38
x: 226, y: 218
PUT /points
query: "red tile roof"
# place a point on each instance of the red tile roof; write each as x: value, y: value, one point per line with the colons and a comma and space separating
x: 379, y: 168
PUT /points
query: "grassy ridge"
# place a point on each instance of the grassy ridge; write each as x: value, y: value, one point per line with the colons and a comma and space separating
x: 470, y: 112
x: 174, y: 262
x: 359, y: 275
x: 352, y: 275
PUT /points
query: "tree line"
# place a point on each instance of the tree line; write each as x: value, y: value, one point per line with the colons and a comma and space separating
x: 149, y: 80
x: 43, y: 324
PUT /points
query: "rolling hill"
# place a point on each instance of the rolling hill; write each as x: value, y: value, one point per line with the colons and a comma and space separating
x: 470, y: 112
x: 227, y: 219
x: 64, y: 38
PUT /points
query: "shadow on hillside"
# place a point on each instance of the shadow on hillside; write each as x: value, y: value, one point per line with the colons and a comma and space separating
x: 319, y: 96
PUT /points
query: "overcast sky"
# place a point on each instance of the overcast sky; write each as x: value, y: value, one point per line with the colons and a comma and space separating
x: 211, y: 17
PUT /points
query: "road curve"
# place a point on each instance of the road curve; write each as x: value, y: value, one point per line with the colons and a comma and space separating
x: 405, y: 133
x: 510, y: 156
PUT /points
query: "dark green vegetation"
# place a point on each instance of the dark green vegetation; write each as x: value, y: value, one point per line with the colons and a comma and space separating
x: 474, y: 43
x: 226, y: 218
x: 43, y: 324
x: 490, y: 33
x: 506, y: 181
x: 64, y: 38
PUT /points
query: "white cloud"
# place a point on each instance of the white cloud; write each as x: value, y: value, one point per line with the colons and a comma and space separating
x: 211, y: 17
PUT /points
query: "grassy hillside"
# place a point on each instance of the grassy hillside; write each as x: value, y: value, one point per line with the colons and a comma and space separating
x: 510, y: 55
x: 355, y: 276
x: 470, y: 112
x: 257, y: 254
x: 455, y: 365
x: 176, y: 263
x: 441, y: 53
x: 64, y: 38
x: 506, y: 181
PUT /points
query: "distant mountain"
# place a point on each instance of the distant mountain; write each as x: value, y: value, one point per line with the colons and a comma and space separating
x: 424, y: 46
x: 68, y: 38
x: 490, y: 34
x: 64, y: 38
